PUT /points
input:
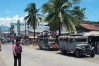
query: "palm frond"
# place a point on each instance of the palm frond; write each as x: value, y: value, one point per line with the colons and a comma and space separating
x: 66, y: 5
x: 60, y: 16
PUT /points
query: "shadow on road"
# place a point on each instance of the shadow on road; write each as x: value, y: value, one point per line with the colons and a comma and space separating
x: 67, y: 54
x: 46, y: 49
x: 73, y: 55
x: 40, y: 49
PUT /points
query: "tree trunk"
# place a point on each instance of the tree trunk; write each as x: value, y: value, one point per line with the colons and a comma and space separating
x: 34, y: 34
x: 59, y: 27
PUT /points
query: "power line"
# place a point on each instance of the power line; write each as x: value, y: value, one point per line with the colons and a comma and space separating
x: 90, y: 11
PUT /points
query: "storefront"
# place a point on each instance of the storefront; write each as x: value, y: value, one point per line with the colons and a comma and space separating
x: 31, y: 39
x: 93, y: 39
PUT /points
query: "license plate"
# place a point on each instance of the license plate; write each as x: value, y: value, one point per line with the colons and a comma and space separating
x: 88, y: 53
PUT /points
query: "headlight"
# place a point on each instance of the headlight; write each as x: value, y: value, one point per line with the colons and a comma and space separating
x: 83, y: 47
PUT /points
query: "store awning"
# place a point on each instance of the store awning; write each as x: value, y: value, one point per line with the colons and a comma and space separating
x: 33, y: 37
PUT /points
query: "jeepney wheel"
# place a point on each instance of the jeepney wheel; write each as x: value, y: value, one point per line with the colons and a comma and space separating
x: 77, y: 53
x: 92, y: 55
x: 48, y: 48
x: 40, y: 47
x: 63, y: 51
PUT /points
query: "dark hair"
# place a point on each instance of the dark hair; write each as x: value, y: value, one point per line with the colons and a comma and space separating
x: 17, y: 40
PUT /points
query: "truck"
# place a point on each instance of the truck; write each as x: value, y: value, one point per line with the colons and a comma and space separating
x: 76, y: 44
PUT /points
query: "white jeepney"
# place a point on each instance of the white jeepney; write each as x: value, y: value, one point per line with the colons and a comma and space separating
x: 76, y: 44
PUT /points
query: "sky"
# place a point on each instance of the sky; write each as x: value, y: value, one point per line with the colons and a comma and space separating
x: 13, y: 10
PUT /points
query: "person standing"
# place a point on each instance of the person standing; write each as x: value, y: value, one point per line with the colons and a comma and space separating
x: 17, y: 49
x: 12, y: 41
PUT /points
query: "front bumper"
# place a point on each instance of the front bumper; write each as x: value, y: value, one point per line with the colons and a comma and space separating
x: 87, y: 52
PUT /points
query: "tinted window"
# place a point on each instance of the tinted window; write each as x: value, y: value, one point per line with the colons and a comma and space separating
x: 64, y: 40
x: 71, y: 40
x: 80, y: 40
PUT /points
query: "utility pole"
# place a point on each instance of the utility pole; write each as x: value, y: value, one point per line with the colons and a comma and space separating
x: 25, y: 28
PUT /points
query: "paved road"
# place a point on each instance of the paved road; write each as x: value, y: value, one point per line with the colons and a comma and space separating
x: 32, y: 56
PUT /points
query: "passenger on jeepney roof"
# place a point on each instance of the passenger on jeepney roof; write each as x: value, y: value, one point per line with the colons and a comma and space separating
x: 41, y: 35
x: 52, y: 35
x: 46, y: 35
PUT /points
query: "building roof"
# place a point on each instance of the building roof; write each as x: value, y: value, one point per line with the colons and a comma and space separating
x: 90, y: 27
x: 88, y: 22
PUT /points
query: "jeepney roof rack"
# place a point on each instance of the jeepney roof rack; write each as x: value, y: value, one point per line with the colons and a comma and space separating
x: 76, y: 34
x: 72, y: 34
x: 65, y: 34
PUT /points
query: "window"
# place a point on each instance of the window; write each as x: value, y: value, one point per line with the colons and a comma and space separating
x: 71, y: 40
x: 64, y: 40
x: 60, y: 39
x: 80, y: 40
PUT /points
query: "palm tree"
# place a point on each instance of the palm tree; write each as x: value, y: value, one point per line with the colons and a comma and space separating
x: 32, y: 18
x: 78, y: 13
x: 58, y: 14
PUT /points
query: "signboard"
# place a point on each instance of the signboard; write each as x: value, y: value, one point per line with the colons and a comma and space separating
x: 0, y: 39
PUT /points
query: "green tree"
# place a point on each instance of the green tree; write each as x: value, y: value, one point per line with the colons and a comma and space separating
x: 78, y: 13
x: 32, y: 18
x: 58, y: 14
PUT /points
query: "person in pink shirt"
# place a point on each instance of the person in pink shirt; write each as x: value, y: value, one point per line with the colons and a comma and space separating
x: 17, y: 49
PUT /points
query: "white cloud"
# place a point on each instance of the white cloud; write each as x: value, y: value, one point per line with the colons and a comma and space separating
x: 7, y: 21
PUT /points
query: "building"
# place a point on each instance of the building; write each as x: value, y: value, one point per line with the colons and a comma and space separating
x: 19, y: 28
x: 86, y: 26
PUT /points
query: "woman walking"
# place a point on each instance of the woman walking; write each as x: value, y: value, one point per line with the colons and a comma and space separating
x: 17, y: 49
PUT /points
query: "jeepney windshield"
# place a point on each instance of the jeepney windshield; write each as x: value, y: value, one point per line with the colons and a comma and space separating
x: 80, y: 40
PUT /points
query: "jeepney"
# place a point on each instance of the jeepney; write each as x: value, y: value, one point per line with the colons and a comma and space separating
x: 47, y: 43
x: 76, y: 44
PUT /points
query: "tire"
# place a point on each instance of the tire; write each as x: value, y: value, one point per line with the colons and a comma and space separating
x: 92, y: 55
x: 77, y: 53
x: 40, y: 47
x: 48, y: 48
x: 63, y: 51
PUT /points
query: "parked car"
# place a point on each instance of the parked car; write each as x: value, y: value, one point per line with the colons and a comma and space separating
x: 76, y: 44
